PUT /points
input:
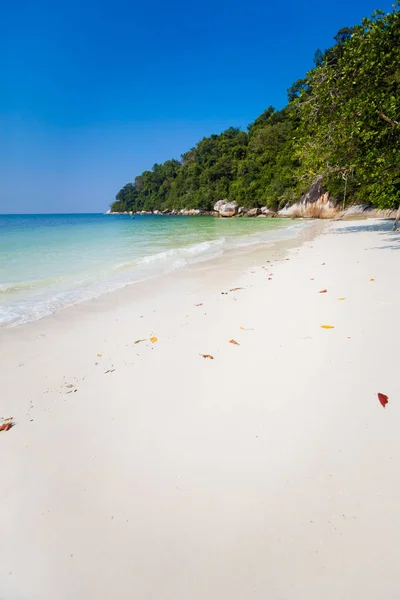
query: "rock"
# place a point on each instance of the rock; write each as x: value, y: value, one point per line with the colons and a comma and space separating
x: 266, y: 211
x: 156, y: 212
x: 253, y: 212
x: 241, y: 210
x: 366, y: 211
x: 262, y: 216
x: 228, y: 210
x: 218, y: 205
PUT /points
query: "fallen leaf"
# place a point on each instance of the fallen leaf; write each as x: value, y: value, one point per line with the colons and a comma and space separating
x: 7, y: 424
x: 323, y: 291
x: 341, y: 298
x: 153, y: 340
x: 322, y: 264
x: 383, y: 399
x: 200, y: 304
x: 71, y: 385
x: 372, y: 279
x: 288, y: 259
x: 99, y: 355
x: 236, y: 289
x: 109, y: 371
x: 246, y: 328
x: 207, y: 356
x: 312, y: 278
x: 327, y: 326
x: 234, y: 342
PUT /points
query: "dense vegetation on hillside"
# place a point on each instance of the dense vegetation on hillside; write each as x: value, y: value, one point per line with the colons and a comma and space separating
x: 342, y: 123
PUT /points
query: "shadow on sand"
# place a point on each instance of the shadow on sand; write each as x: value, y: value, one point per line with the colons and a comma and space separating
x: 384, y: 227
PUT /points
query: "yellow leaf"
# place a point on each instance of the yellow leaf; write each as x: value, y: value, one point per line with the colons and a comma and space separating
x: 327, y: 326
x: 153, y: 340
x: 341, y: 298
x: 99, y: 355
x: 372, y: 279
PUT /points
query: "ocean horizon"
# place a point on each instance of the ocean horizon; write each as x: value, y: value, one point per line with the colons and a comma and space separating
x: 51, y: 261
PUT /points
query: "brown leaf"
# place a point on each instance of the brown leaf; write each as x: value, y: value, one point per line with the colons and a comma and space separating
x: 372, y: 279
x: 383, y: 399
x: 7, y: 424
x: 207, y: 356
x: 200, y: 304
x: 322, y: 291
x: 234, y: 342
x: 109, y: 371
x: 312, y: 278
x: 236, y: 289
x: 138, y: 341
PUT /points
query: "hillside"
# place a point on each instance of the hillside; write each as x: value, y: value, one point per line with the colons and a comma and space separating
x: 341, y: 124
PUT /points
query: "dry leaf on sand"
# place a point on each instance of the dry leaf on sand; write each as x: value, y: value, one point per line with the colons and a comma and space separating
x: 200, y: 304
x: 153, y: 339
x: 341, y: 298
x: 138, y: 341
x: 383, y: 399
x: 236, y: 289
x: 207, y: 356
x: 327, y: 326
x: 234, y: 342
x: 322, y: 291
x: 372, y: 279
x: 6, y: 424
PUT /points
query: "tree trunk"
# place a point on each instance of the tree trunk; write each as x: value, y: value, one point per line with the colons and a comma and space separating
x: 397, y: 219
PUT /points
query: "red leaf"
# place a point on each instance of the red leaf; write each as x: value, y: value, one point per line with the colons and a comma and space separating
x: 323, y: 291
x: 383, y: 399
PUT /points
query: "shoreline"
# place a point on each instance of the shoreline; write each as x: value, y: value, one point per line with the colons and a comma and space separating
x: 269, y: 470
x: 240, y: 255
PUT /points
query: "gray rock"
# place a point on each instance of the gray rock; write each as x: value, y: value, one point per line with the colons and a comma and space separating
x: 229, y: 209
x: 253, y: 212
x: 218, y: 205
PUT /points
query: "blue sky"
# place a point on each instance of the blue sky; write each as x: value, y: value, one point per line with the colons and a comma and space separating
x: 93, y: 93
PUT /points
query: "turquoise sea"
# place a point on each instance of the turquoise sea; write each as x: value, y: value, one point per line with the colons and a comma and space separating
x: 48, y: 262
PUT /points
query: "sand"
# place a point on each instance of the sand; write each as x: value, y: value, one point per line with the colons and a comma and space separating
x: 271, y: 471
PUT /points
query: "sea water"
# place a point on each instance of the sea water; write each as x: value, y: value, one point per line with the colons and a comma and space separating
x: 48, y: 262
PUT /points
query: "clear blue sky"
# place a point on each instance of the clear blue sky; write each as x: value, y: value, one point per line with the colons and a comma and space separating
x: 93, y: 93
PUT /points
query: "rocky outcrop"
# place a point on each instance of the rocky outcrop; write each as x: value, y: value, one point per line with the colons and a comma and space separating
x: 365, y: 211
x: 314, y: 204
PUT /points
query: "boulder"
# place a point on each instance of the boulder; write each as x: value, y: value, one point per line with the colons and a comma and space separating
x: 218, y: 205
x: 266, y: 211
x: 253, y: 212
x: 229, y: 209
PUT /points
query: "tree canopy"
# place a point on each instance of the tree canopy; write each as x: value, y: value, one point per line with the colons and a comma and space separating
x: 342, y: 123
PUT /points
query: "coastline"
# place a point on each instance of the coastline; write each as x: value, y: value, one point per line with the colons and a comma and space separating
x: 268, y: 470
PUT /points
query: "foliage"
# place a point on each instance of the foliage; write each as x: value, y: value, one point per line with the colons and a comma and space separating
x: 349, y: 109
x: 341, y: 123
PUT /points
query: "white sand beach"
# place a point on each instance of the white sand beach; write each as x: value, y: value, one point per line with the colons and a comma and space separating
x: 145, y: 471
